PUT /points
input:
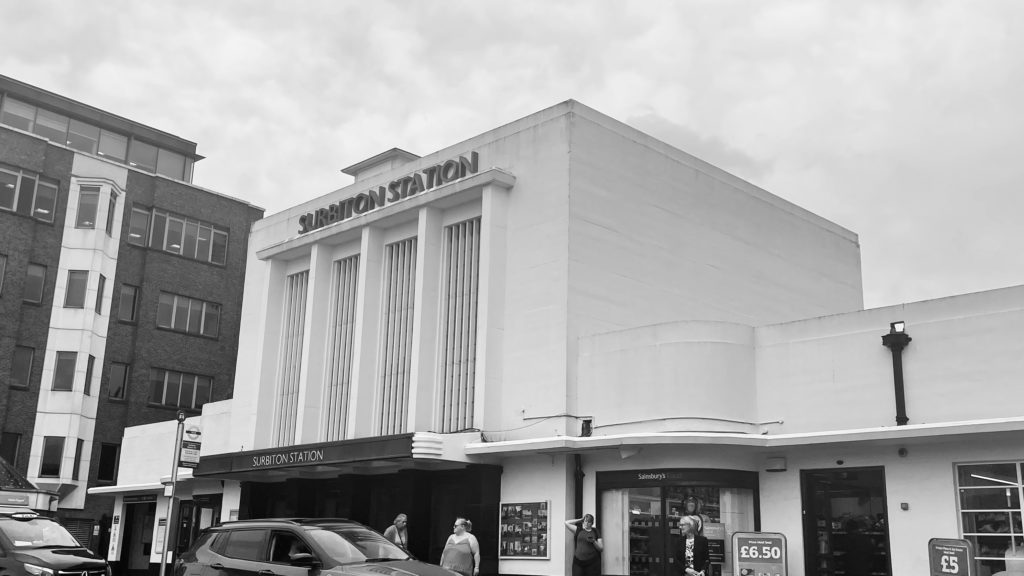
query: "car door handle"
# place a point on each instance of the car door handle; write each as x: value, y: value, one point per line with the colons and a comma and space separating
x: 217, y: 566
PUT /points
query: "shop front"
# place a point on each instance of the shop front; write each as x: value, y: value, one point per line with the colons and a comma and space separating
x: 641, y: 510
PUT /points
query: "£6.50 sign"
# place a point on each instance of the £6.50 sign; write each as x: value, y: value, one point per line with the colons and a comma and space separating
x: 947, y: 557
x: 759, y: 553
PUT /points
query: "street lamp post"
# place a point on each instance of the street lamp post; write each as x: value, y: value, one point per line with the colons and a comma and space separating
x: 170, y: 500
x: 896, y: 340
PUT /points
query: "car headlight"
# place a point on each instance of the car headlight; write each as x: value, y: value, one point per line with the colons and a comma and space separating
x: 38, y: 570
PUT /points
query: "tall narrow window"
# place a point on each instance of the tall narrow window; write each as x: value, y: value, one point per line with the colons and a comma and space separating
x: 117, y: 381
x: 459, y: 296
x: 396, y: 336
x: 292, y: 328
x: 35, y: 278
x: 138, y: 226
x: 8, y: 189
x: 21, y: 366
x: 88, y: 374
x: 219, y: 249
x: 79, y: 444
x: 46, y: 200
x: 88, y: 202
x: 127, y: 303
x: 53, y: 453
x: 106, y: 471
x: 75, y: 295
x: 64, y: 371
x: 3, y: 272
x: 10, y: 446
x: 100, y: 287
x: 341, y: 337
x: 111, y: 212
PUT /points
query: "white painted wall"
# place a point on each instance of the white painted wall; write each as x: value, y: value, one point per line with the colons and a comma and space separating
x: 538, y: 479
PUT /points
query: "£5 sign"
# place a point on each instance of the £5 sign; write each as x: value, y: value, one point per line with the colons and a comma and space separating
x: 947, y: 557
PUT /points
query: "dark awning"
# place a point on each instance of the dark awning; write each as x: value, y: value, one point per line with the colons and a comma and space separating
x: 309, y: 460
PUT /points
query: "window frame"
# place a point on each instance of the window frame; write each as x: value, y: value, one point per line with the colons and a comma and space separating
x: 114, y: 465
x: 42, y: 283
x: 77, y: 468
x: 60, y: 375
x: 134, y: 303
x: 176, y: 303
x: 89, y: 367
x: 101, y: 286
x: 31, y: 207
x: 125, y: 376
x: 111, y: 212
x: 49, y: 444
x: 87, y: 192
x: 28, y: 372
x: 82, y: 283
x: 17, y: 447
x: 180, y: 386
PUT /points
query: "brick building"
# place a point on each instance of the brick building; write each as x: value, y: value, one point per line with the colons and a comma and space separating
x: 120, y: 292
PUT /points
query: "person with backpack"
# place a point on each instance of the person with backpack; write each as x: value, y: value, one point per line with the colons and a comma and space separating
x: 587, y: 546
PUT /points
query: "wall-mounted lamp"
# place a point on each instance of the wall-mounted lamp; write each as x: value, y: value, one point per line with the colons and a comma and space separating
x: 896, y: 340
x: 586, y: 427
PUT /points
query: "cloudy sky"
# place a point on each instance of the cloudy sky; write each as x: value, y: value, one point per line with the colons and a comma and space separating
x: 902, y: 121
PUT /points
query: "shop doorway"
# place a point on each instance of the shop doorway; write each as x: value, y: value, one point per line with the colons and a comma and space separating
x: 846, y: 523
x: 138, y: 538
x: 640, y: 525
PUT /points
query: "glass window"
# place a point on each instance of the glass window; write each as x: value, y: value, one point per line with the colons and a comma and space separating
x: 113, y: 145
x: 53, y: 452
x: 3, y: 272
x: 191, y: 232
x: 35, y: 277
x: 138, y: 227
x: 100, y: 288
x: 204, y: 388
x: 175, y: 229
x: 106, y: 471
x: 142, y: 156
x: 18, y: 114
x: 111, y: 212
x: 203, y: 243
x: 21, y: 366
x: 75, y: 295
x: 171, y: 164
x: 181, y: 306
x: 51, y: 125
x: 8, y: 189
x: 211, y: 320
x: 88, y: 374
x: 246, y: 544
x: 219, y: 251
x: 159, y: 229
x: 10, y: 445
x: 990, y: 513
x: 117, y: 381
x: 64, y: 371
x: 127, y: 304
x: 177, y: 389
x: 83, y: 137
x: 165, y: 311
x: 79, y: 444
x: 46, y: 200
x: 88, y: 199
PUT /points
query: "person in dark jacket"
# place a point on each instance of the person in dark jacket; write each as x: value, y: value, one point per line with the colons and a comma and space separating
x: 692, y: 557
x: 587, y: 546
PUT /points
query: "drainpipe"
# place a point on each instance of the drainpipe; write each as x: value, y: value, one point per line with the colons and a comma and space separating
x: 578, y: 487
x: 896, y: 340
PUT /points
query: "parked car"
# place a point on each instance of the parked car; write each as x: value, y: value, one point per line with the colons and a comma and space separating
x: 298, y: 547
x: 34, y: 545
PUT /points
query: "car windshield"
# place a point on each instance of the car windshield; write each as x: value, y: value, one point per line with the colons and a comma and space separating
x: 37, y: 533
x: 349, y: 544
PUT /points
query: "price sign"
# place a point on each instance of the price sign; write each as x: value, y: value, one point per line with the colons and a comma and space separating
x: 947, y: 557
x: 759, y: 553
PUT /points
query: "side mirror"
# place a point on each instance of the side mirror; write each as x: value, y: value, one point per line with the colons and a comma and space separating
x: 303, y: 559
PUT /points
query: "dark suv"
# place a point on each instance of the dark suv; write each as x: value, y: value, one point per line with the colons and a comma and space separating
x: 34, y: 545
x: 298, y: 547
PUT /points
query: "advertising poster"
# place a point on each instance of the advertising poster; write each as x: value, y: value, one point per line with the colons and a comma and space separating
x: 523, y: 532
x: 948, y: 557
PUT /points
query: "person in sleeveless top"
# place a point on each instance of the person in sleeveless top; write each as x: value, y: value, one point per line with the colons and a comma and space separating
x: 587, y: 546
x: 692, y: 558
x: 462, y: 552
x: 398, y: 532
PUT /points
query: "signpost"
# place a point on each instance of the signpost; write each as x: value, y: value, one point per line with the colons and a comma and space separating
x: 949, y: 557
x: 759, y: 554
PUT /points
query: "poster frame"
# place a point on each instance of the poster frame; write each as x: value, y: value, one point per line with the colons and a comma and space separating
x: 542, y: 532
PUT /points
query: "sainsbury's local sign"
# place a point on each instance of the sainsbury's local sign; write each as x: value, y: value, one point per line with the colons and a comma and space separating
x: 396, y: 190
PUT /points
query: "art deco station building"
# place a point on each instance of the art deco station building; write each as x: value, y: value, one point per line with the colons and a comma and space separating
x: 565, y: 315
x: 120, y: 292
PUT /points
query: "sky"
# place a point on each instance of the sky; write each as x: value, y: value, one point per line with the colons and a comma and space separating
x: 900, y: 120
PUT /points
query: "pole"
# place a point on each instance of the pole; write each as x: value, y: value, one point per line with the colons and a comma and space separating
x: 170, y: 500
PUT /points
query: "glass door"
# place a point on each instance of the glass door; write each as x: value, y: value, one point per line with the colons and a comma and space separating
x: 646, y: 537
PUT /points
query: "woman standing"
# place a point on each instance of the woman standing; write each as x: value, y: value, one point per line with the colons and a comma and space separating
x: 692, y: 556
x: 586, y: 558
x: 398, y: 532
x: 462, y: 552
